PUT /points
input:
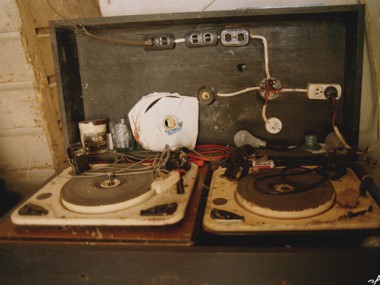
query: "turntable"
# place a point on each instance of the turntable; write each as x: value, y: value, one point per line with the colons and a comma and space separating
x: 115, y: 195
x: 259, y: 203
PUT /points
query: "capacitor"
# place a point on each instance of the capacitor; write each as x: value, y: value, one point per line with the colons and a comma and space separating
x: 109, y: 141
x: 311, y: 141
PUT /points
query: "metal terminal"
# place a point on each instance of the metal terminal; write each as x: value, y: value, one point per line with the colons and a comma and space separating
x: 110, y: 178
x: 110, y: 182
x: 270, y: 88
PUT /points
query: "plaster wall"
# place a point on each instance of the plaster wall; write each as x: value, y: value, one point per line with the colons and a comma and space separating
x: 25, y: 158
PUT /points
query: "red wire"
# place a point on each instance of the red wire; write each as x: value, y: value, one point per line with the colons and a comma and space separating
x: 266, y: 92
x: 334, y: 111
x: 209, y: 152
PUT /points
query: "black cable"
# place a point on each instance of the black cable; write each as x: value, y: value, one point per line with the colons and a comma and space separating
x: 299, y: 187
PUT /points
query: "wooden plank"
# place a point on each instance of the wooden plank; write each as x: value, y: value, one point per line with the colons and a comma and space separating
x: 87, y: 263
x: 47, y: 58
x: 46, y: 100
x: 77, y: 9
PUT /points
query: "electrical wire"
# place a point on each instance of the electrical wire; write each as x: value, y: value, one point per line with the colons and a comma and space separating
x: 256, y: 88
x: 300, y: 90
x: 266, y: 56
x: 335, y: 128
x: 263, y: 113
x: 159, y: 163
x: 264, y: 110
x: 79, y: 28
x: 146, y: 164
x: 248, y: 89
x: 266, y: 63
x: 179, y: 41
x: 209, y: 153
x: 298, y: 187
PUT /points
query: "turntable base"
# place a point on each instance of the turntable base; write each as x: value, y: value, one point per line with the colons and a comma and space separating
x: 46, y: 207
x: 228, y: 213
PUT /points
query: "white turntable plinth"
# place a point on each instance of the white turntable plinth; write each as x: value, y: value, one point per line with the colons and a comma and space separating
x: 224, y: 213
x: 129, y: 214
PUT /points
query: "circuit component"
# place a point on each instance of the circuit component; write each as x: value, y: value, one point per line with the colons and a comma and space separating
x: 201, y: 38
x: 270, y: 88
x: 207, y: 95
x: 159, y: 42
x: 324, y: 91
x: 236, y: 38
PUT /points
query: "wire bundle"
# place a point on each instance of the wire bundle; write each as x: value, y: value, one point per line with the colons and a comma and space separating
x: 209, y: 153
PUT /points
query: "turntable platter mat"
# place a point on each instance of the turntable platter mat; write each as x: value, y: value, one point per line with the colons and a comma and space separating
x: 294, y: 205
x: 87, y: 194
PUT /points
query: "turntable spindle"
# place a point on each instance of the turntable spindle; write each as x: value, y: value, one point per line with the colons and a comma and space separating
x: 110, y: 179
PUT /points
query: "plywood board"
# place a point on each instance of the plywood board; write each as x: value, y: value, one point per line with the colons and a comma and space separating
x: 44, y: 43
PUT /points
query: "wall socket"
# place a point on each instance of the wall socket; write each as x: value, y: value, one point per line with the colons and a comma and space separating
x: 234, y: 38
x: 201, y: 39
x: 317, y: 91
x: 164, y: 41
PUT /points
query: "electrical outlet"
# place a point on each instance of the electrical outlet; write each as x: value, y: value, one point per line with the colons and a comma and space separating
x: 236, y: 38
x: 200, y: 39
x: 322, y: 91
x: 164, y: 41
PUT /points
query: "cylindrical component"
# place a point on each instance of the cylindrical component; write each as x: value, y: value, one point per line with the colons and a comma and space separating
x: 122, y: 136
x: 109, y: 141
x: 311, y: 141
x: 93, y: 135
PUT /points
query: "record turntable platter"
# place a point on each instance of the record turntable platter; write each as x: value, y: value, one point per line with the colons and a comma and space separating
x: 257, y: 194
x: 102, y: 194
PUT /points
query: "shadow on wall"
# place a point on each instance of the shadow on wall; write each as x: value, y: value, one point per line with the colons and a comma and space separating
x: 7, y: 199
